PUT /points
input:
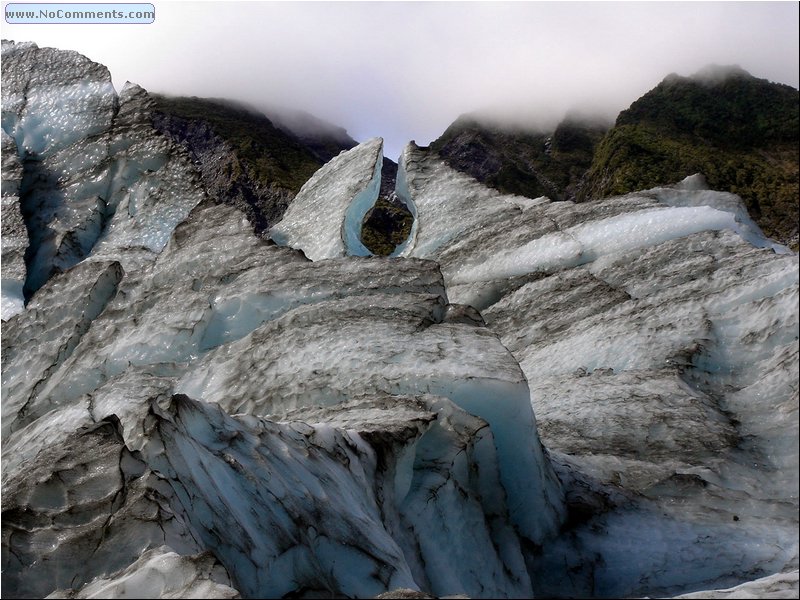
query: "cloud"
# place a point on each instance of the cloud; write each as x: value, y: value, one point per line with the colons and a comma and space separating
x: 407, y: 70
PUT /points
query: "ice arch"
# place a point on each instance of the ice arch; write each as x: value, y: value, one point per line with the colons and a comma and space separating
x: 324, y: 220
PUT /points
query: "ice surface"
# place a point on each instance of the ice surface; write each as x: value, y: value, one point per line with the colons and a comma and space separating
x: 14, y: 238
x: 404, y: 194
x: 96, y: 177
x: 78, y: 300
x: 780, y: 585
x: 161, y: 573
x: 347, y: 348
x: 694, y: 191
x: 368, y: 434
x: 171, y: 321
x: 324, y: 219
x: 662, y: 550
x: 13, y: 300
x: 297, y: 506
x: 680, y: 351
x: 652, y: 330
x: 82, y: 506
x: 480, y: 235
x: 440, y: 213
x: 448, y: 473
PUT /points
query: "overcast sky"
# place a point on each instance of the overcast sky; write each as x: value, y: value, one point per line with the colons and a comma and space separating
x: 406, y: 70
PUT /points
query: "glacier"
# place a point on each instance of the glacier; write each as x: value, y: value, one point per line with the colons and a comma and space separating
x: 529, y: 398
x: 324, y: 219
x: 649, y: 327
x: 92, y: 177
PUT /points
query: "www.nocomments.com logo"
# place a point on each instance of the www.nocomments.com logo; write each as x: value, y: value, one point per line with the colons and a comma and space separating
x: 86, y: 13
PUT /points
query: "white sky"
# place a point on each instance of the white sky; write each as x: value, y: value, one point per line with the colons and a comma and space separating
x: 406, y: 70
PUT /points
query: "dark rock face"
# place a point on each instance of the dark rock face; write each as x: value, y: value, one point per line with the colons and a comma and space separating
x: 546, y: 163
x: 259, y: 163
x: 222, y: 172
x: 388, y: 223
x: 243, y: 159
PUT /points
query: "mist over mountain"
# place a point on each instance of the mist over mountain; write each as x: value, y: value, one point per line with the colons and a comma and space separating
x: 243, y: 158
x: 216, y: 384
x: 530, y: 163
x: 739, y: 131
x: 258, y: 162
x: 742, y: 133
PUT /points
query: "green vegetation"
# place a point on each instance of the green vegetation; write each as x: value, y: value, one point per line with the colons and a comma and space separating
x: 270, y: 156
x: 737, y: 111
x: 522, y: 162
x: 385, y: 227
x: 742, y: 133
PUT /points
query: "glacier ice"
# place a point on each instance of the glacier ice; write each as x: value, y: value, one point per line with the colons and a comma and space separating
x: 780, y: 585
x: 326, y: 423
x: 694, y: 191
x: 80, y: 496
x: 478, y: 234
x: 96, y: 178
x: 324, y: 219
x: 330, y: 516
x: 14, y: 238
x: 657, y: 330
x: 160, y: 573
x: 161, y: 327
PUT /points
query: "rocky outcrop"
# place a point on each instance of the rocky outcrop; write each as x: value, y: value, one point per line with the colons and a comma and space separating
x: 243, y: 158
x: 222, y: 172
x: 530, y: 162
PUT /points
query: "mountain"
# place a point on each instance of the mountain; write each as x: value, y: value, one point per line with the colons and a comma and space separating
x: 244, y: 159
x: 532, y: 398
x: 515, y: 161
x: 259, y: 163
x: 324, y: 139
x: 740, y: 132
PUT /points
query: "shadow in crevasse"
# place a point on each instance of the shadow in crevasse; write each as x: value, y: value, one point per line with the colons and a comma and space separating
x: 387, y: 224
x: 60, y: 234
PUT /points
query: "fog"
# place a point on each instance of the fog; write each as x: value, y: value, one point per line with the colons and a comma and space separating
x: 407, y: 70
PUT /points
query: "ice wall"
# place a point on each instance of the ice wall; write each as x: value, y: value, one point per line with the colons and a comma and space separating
x: 96, y: 180
x: 480, y: 235
x: 324, y: 219
x: 653, y: 329
x: 302, y: 334
x: 14, y: 237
